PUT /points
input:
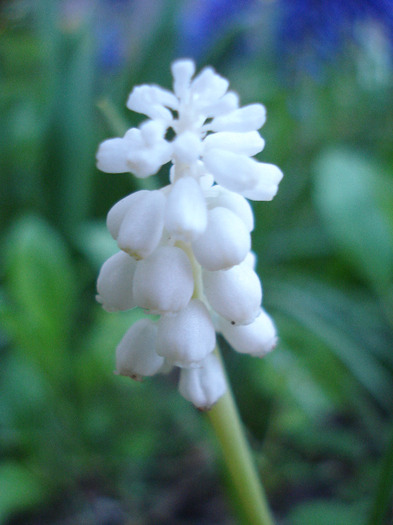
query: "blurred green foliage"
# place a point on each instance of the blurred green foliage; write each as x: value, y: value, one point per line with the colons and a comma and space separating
x: 80, y: 444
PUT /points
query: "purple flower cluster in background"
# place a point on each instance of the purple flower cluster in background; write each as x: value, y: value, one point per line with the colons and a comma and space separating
x: 311, y: 32
x: 203, y: 22
x: 306, y: 33
x: 303, y: 35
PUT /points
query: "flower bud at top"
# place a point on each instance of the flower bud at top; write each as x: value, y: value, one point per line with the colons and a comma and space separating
x: 112, y: 156
x: 247, y: 118
x: 182, y: 71
x: 235, y: 172
x: 187, y: 147
x: 152, y: 101
x: 208, y: 87
x: 267, y: 184
x: 248, y: 143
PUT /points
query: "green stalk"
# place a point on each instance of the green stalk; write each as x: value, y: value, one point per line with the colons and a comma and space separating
x: 225, y: 420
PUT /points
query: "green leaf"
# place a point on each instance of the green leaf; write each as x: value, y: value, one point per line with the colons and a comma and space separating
x: 314, y: 314
x: 347, y: 189
x: 20, y: 489
x: 41, y: 290
x: 384, y: 490
x: 326, y: 513
x: 95, y: 242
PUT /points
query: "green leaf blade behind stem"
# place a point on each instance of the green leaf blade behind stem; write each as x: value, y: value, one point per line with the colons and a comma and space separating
x: 320, y: 315
x: 346, y: 194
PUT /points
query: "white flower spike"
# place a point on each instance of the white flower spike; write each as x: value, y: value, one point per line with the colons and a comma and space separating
x: 185, y: 248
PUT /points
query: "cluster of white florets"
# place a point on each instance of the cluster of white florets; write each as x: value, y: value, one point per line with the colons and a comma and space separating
x: 185, y: 248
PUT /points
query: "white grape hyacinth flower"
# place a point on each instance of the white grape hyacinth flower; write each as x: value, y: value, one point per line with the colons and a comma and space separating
x: 185, y: 249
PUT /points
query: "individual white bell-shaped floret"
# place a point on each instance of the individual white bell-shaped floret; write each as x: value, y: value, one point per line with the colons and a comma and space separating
x: 257, y: 338
x: 152, y: 153
x: 138, y: 222
x: 112, y: 156
x: 226, y: 104
x: 237, y: 172
x: 136, y: 354
x: 187, y: 147
x: 186, y: 213
x: 141, y: 151
x: 219, y: 196
x: 152, y: 101
x: 247, y: 118
x: 251, y: 260
x: 205, y: 385
x: 116, y: 214
x: 207, y: 87
x: 163, y: 282
x: 267, y: 184
x: 225, y: 242
x: 114, y: 283
x: 182, y: 71
x: 249, y: 143
x: 187, y: 337
x: 235, y: 294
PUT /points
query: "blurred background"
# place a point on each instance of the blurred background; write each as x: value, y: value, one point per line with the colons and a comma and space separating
x: 79, y: 445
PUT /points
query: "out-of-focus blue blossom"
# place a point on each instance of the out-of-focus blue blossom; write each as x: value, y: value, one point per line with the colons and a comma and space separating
x: 109, y: 20
x: 120, y: 27
x: 112, y: 48
x: 203, y: 22
x: 311, y: 32
x: 113, y: 17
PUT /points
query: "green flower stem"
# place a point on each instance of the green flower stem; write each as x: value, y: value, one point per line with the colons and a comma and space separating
x: 225, y: 420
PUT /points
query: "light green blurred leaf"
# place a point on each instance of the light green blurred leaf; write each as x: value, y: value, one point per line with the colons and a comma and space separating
x: 347, y: 185
x: 40, y: 286
x: 96, y: 361
x: 95, y: 242
x: 75, y: 126
x: 319, y: 316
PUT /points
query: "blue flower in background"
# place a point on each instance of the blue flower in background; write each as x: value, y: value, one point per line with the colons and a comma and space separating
x: 113, y: 16
x: 311, y: 32
x: 203, y: 22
